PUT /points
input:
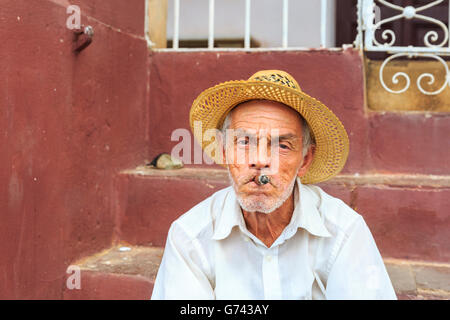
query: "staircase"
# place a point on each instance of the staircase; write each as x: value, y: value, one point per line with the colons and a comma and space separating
x: 148, y: 200
x: 396, y: 176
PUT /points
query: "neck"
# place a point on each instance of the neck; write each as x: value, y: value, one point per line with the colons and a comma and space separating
x: 267, y: 227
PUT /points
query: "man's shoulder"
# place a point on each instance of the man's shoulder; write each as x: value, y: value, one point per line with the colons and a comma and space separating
x: 200, y: 218
x: 336, y: 214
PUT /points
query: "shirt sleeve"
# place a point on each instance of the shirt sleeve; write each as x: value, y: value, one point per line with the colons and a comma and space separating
x: 181, y: 274
x: 358, y: 271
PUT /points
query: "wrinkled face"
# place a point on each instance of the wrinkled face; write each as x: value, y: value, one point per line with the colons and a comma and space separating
x: 267, y: 138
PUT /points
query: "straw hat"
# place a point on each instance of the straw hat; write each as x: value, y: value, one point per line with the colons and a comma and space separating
x: 332, y: 145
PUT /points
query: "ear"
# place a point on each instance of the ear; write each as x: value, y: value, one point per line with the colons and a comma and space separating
x: 224, y: 156
x: 307, y: 160
x: 222, y: 146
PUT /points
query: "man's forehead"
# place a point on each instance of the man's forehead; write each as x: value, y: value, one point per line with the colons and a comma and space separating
x: 262, y: 103
x: 266, y: 114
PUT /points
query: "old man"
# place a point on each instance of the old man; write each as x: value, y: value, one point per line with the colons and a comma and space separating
x: 272, y: 234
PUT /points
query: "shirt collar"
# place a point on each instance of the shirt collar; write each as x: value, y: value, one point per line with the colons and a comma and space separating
x: 230, y: 216
x: 306, y: 214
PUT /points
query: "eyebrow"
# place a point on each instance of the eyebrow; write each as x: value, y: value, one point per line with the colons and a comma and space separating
x: 283, y: 137
x: 287, y: 136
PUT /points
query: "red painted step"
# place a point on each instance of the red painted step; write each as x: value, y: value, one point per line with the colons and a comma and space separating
x: 149, y: 200
x: 407, y: 214
x: 394, y: 142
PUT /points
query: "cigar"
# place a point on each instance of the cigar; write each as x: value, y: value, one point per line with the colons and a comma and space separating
x: 263, y: 179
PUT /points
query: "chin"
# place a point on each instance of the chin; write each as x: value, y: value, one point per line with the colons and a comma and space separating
x: 256, y: 204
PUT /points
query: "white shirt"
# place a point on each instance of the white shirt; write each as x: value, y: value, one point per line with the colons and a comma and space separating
x: 326, y: 252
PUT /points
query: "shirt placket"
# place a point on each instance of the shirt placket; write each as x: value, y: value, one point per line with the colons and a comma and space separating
x: 271, y: 274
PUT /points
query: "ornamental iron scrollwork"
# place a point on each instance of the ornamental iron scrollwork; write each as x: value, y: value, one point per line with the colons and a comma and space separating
x: 369, y: 21
x: 423, y: 76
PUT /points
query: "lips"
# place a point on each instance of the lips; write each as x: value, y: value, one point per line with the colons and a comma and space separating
x: 255, y: 183
x: 252, y: 182
x: 255, y: 180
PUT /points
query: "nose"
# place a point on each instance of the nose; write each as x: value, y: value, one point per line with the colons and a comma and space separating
x: 262, y: 159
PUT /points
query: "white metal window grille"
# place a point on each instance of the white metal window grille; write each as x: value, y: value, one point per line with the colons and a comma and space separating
x: 323, y: 18
x: 435, y: 47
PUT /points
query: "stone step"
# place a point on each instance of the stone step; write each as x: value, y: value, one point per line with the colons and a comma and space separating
x: 407, y: 214
x: 149, y: 200
x: 128, y: 273
x: 419, y: 279
x: 118, y: 273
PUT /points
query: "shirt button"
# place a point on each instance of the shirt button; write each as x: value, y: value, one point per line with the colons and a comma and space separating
x: 268, y: 258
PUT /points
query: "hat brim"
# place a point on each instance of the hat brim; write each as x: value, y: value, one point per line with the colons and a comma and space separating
x: 332, y: 144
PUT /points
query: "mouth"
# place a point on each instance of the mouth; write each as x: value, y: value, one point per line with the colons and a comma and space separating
x: 250, y: 187
x: 254, y: 181
x: 251, y: 183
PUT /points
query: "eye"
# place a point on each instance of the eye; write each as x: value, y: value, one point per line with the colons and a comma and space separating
x: 284, y: 146
x: 242, y: 142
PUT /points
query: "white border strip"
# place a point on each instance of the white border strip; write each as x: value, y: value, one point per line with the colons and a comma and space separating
x: 247, y: 24
x: 323, y: 23
x: 245, y: 50
x: 211, y: 25
x: 285, y: 23
x: 176, y: 23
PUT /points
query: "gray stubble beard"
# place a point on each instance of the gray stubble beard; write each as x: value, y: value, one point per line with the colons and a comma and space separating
x: 262, y: 206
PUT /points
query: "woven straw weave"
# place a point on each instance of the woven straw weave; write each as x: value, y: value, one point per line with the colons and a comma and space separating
x: 332, y: 145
